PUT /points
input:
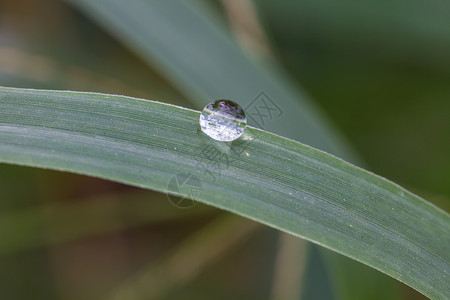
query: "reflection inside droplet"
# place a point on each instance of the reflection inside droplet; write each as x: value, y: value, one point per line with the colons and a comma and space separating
x: 223, y: 120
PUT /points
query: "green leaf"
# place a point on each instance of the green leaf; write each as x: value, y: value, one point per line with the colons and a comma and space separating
x: 265, y: 177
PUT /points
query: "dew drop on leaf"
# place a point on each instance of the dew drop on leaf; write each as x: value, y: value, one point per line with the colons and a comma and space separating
x: 223, y: 120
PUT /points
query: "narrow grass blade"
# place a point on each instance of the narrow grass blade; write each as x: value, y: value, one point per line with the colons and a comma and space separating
x: 274, y: 180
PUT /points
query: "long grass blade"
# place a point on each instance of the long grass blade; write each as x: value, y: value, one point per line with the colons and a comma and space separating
x: 274, y: 180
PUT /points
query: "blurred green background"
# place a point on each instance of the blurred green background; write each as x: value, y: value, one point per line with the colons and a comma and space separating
x: 380, y: 70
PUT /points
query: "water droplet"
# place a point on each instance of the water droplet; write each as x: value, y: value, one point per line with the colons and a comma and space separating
x: 223, y: 120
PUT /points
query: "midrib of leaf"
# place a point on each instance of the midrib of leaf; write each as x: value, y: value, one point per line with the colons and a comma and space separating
x: 276, y: 181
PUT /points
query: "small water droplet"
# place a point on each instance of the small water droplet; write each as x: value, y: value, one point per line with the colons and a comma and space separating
x: 223, y: 120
